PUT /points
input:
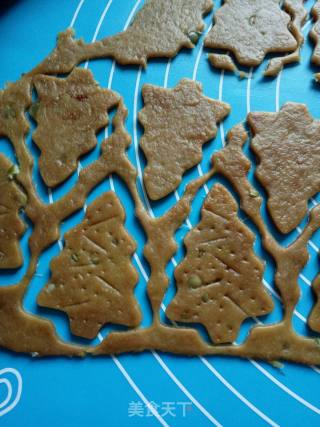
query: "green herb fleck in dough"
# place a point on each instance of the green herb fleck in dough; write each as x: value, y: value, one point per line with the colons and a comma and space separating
x: 253, y: 193
x: 276, y: 364
x: 8, y: 112
x: 194, y: 281
x: 205, y: 297
x: 33, y: 110
x: 194, y: 36
x: 12, y: 172
x: 75, y: 257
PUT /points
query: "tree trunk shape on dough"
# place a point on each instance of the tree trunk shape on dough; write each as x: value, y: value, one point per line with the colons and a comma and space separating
x: 219, y: 283
x: 93, y: 278
x: 69, y: 112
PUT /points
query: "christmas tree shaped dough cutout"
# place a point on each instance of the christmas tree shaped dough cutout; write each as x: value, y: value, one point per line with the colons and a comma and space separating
x: 177, y: 123
x: 69, y: 113
x: 93, y: 278
x: 219, y: 283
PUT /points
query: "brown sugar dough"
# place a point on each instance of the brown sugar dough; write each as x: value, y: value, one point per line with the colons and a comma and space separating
x: 314, y: 318
x: 12, y: 199
x: 177, y: 122
x: 26, y: 330
x: 69, y: 113
x: 26, y: 333
x: 295, y: 8
x: 158, y: 250
x: 315, y: 32
x: 288, y: 148
x: 160, y: 29
x: 223, y: 62
x: 269, y: 342
x: 219, y: 282
x: 161, y: 245
x: 21, y: 331
x: 315, y: 36
x: 93, y: 278
x: 250, y: 30
x: 113, y: 159
x: 226, y: 63
x: 278, y: 341
x: 14, y: 99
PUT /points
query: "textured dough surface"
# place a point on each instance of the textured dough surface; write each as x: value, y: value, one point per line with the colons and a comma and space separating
x: 20, y: 331
x: 69, y: 113
x: 314, y: 318
x: 14, y: 99
x: 288, y: 147
x: 23, y: 332
x: 12, y: 199
x: 276, y: 341
x: 222, y: 61
x: 315, y: 36
x: 315, y: 33
x: 93, y: 278
x: 295, y: 8
x: 250, y: 30
x: 219, y: 281
x: 177, y: 122
x: 160, y: 29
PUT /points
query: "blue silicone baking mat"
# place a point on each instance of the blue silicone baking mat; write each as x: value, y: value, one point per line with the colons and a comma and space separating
x: 118, y: 391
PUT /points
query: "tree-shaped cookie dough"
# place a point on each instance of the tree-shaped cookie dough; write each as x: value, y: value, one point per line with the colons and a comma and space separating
x: 219, y: 283
x: 250, y: 30
x: 288, y: 147
x: 12, y: 199
x: 69, y: 113
x: 177, y: 122
x: 160, y: 29
x: 93, y: 278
